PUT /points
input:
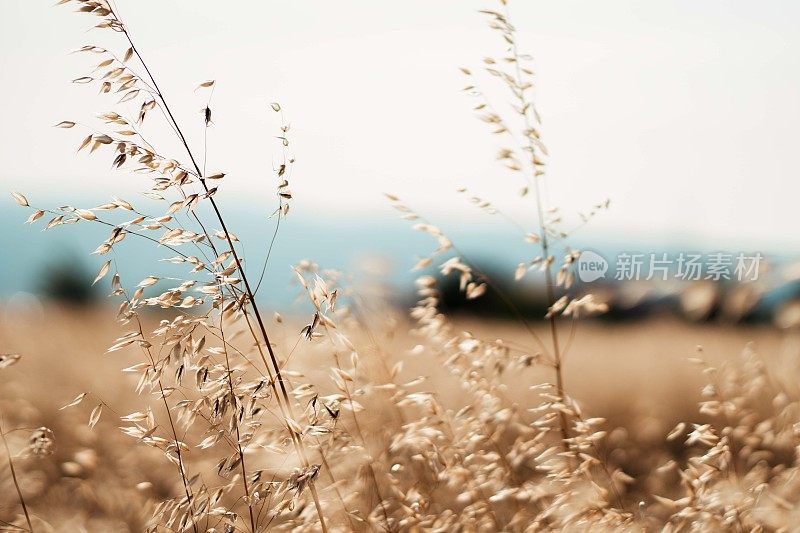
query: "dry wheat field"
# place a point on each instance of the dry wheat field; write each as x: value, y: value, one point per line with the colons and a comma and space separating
x: 183, y: 402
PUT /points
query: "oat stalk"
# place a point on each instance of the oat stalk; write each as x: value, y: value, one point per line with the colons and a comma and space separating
x: 250, y: 295
x: 14, y: 479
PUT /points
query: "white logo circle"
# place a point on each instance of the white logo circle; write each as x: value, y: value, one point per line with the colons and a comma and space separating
x: 591, y: 266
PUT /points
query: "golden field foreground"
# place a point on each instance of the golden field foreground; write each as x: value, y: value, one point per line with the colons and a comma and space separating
x: 637, y: 376
x: 187, y: 405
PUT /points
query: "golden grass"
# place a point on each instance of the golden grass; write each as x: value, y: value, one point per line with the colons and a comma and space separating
x: 101, y: 481
x: 225, y: 418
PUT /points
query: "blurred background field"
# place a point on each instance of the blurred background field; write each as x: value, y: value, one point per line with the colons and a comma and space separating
x: 637, y: 375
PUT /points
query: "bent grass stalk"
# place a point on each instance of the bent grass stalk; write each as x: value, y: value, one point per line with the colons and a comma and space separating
x: 128, y: 80
x: 15, y: 480
x: 251, y: 298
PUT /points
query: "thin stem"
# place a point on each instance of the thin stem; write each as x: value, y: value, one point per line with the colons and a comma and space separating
x: 371, y: 470
x: 187, y: 490
x: 280, y: 215
x: 236, y: 424
x: 269, y: 251
x: 549, y: 288
x: 16, y: 482
x: 218, y: 214
x: 273, y: 358
x: 335, y: 487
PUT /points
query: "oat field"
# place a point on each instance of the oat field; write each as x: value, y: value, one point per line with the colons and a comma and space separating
x: 183, y: 402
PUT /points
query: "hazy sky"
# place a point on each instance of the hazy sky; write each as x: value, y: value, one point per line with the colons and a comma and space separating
x: 684, y: 113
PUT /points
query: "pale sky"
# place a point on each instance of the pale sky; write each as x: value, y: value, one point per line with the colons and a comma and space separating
x: 683, y: 113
